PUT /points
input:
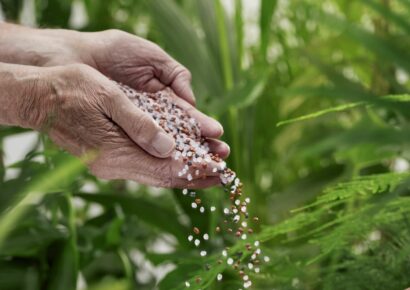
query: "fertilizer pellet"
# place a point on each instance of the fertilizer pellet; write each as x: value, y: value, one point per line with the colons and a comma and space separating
x: 192, y: 150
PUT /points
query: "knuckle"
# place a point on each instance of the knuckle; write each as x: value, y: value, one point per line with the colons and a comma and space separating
x: 111, y: 94
x: 114, y: 34
x: 178, y: 71
x: 186, y: 74
x: 142, y: 125
x: 79, y: 70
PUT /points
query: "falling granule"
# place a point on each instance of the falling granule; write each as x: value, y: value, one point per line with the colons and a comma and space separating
x: 187, y: 284
x: 194, y: 153
x: 247, y: 284
x: 219, y: 277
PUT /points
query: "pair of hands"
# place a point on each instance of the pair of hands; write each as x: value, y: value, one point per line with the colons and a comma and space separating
x: 73, y: 100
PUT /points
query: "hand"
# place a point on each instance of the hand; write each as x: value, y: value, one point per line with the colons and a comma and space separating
x: 83, y: 111
x: 121, y: 56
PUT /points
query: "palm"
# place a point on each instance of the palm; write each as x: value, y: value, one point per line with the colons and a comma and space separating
x: 143, y: 65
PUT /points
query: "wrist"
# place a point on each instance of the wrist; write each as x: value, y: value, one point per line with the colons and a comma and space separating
x: 41, y: 47
x: 24, y: 91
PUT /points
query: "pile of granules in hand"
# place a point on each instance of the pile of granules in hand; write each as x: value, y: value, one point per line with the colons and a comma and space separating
x: 193, y: 150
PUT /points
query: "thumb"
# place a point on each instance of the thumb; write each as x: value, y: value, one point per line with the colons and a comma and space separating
x: 141, y: 128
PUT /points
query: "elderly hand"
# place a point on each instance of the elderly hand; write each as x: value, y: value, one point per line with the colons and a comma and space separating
x: 121, y: 56
x: 83, y: 111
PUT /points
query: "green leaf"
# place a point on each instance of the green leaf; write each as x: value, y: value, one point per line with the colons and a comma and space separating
x: 63, y: 274
x: 390, y: 99
x: 240, y: 97
x: 321, y: 113
x: 266, y: 13
x: 32, y: 236
x: 11, y: 8
x: 14, y: 275
x: 385, y: 48
x: 145, y: 210
x: 64, y: 270
x: 65, y: 172
x: 182, y: 41
x: 224, y: 45
x: 389, y: 15
x: 54, y: 13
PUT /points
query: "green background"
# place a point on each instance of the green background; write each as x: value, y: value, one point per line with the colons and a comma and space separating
x: 330, y: 186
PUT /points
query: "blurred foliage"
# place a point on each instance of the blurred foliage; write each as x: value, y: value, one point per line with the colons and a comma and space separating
x: 331, y: 185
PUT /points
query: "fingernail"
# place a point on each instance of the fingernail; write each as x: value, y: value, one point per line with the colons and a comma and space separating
x: 163, y: 144
x: 228, y: 148
x: 220, y: 129
x: 192, y: 96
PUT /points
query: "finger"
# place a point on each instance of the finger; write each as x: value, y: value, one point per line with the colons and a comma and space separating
x: 219, y: 147
x: 140, y: 127
x: 176, y: 76
x: 182, y: 87
x: 153, y: 86
x: 209, y: 126
x: 197, y: 183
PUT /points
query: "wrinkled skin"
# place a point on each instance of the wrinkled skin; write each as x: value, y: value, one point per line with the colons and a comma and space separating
x: 83, y: 111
